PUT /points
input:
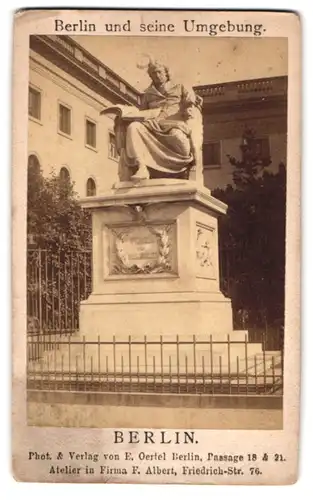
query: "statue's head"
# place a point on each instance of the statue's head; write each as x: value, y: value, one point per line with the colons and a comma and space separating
x: 159, y: 73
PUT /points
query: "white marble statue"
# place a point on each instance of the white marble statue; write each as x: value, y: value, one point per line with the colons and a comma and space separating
x: 165, y: 139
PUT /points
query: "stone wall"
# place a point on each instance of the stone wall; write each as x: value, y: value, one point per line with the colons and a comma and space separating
x: 121, y: 410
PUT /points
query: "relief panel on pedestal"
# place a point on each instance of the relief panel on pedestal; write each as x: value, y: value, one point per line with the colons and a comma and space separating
x: 142, y: 250
x: 206, y: 261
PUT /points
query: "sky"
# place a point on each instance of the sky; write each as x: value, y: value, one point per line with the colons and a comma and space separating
x: 192, y: 60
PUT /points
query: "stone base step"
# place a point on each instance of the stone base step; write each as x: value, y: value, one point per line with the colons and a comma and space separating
x: 187, y: 355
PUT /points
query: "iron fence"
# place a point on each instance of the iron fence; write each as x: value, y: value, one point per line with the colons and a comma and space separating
x: 272, y: 337
x: 193, y: 365
x: 56, y: 284
x: 58, y: 281
x: 256, y: 320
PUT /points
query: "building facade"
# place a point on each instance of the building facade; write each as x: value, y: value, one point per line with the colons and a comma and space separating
x: 68, y: 88
x: 231, y: 108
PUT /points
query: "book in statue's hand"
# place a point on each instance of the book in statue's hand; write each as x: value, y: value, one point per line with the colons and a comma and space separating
x: 131, y: 113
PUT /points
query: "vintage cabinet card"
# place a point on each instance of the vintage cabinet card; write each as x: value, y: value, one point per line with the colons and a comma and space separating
x: 156, y: 246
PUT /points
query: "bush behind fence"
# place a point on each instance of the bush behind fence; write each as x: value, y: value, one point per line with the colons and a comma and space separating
x: 56, y: 284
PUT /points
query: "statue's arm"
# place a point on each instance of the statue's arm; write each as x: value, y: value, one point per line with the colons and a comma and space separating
x: 190, y: 98
x: 147, y: 104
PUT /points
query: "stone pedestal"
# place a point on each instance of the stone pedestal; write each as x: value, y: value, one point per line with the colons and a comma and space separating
x: 155, y: 263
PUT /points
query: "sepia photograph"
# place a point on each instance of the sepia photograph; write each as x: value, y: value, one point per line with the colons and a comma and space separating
x: 156, y: 231
x: 156, y: 235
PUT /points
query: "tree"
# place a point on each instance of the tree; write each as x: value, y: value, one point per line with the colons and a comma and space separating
x: 54, y: 216
x: 59, y: 254
x: 252, y: 162
x: 252, y: 239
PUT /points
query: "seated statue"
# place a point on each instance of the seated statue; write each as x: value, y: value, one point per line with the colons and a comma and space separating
x: 167, y: 140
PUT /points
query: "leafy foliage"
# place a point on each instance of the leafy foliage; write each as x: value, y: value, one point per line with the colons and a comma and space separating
x: 252, y: 240
x: 59, y: 267
x: 54, y: 216
x: 252, y: 162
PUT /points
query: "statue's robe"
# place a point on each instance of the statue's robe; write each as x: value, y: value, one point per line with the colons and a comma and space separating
x: 162, y: 143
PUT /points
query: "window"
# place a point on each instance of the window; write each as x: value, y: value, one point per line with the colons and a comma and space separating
x: 211, y: 153
x: 91, y: 134
x: 64, y: 119
x: 112, y: 147
x: 33, y: 164
x: 262, y: 147
x: 91, y: 187
x: 34, y: 103
x: 64, y: 174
